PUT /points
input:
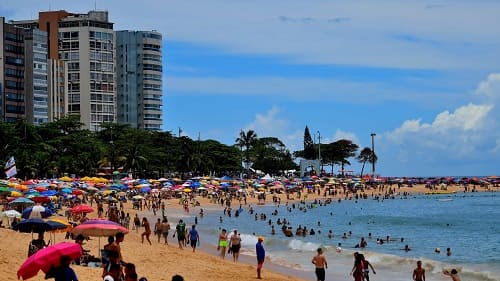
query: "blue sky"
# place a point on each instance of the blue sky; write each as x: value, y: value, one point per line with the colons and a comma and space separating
x: 424, y: 76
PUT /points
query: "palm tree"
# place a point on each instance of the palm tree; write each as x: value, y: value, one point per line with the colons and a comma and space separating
x: 364, y: 156
x: 246, y: 140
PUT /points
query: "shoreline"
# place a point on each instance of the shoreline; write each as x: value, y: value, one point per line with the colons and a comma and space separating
x: 161, y: 262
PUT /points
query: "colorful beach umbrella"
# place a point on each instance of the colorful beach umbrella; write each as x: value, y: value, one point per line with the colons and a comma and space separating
x: 82, y: 209
x: 36, y: 211
x: 47, y: 257
x: 98, y: 228
x: 32, y: 225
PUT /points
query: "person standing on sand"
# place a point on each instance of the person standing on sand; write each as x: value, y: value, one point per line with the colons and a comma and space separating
x: 147, y: 230
x: 165, y: 228
x: 321, y: 264
x: 419, y: 272
x: 222, y: 243
x: 261, y: 256
x: 158, y: 229
x: 235, y: 245
x: 453, y: 274
x: 137, y: 223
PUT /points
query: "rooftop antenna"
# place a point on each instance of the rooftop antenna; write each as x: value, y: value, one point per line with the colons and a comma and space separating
x: 95, y: 5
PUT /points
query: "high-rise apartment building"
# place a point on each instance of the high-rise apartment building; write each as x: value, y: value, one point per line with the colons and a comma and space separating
x: 64, y: 63
x: 36, y: 71
x: 139, y: 79
x: 12, y: 61
x: 85, y: 43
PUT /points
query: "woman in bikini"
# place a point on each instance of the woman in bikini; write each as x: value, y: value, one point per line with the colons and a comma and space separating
x: 222, y: 245
x: 147, y: 230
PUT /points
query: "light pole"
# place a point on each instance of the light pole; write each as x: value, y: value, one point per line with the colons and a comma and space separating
x: 373, y: 154
x: 319, y: 147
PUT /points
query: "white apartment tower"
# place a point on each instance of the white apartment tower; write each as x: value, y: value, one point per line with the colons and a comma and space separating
x: 139, y: 79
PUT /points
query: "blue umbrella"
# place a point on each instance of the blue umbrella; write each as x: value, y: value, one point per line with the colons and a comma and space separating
x: 145, y: 189
x: 32, y: 225
x: 22, y: 201
x: 37, y: 212
x: 48, y: 193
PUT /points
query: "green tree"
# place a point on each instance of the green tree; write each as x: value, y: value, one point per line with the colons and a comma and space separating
x: 246, y: 140
x: 366, y: 155
x: 309, y: 153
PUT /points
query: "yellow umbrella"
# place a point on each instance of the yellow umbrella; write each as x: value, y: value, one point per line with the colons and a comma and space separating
x: 65, y: 178
x: 60, y: 220
x: 187, y: 190
x: 261, y: 189
x: 16, y: 194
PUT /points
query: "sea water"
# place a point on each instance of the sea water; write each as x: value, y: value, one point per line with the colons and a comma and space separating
x: 468, y: 223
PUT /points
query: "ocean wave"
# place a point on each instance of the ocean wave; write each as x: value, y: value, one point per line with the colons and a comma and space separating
x: 300, y: 245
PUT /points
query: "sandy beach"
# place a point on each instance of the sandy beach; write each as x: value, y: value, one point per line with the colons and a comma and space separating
x: 158, y: 261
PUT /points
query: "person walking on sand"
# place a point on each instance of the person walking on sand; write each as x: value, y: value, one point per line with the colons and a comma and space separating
x: 261, y: 255
x: 366, y: 268
x: 194, y: 237
x: 147, y: 230
x: 158, y: 229
x: 180, y: 230
x: 235, y: 245
x: 357, y: 270
x: 453, y: 274
x: 222, y: 243
x: 419, y: 272
x: 165, y: 228
x: 321, y: 264
x: 137, y: 223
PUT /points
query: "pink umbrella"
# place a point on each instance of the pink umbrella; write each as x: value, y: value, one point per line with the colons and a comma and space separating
x: 99, y: 228
x: 48, y: 257
x: 82, y: 209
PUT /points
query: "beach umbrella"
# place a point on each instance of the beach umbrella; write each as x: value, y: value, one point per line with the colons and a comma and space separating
x: 82, y: 209
x: 98, y: 227
x: 36, y: 211
x: 12, y: 214
x: 48, y: 257
x: 32, y: 225
x: 40, y: 199
x: 22, y: 201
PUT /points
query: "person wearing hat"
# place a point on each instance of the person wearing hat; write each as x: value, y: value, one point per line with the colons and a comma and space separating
x: 261, y: 255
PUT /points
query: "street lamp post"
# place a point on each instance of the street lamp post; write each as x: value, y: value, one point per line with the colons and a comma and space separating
x: 319, y: 148
x: 373, y: 154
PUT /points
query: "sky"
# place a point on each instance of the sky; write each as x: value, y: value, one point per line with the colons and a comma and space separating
x: 424, y: 76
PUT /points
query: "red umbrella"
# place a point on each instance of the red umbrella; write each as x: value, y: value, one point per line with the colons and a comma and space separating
x: 82, y: 209
x: 45, y: 258
x: 41, y: 199
x: 77, y: 192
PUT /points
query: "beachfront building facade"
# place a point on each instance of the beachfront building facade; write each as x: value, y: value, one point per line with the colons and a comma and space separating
x: 85, y: 45
x: 139, y: 79
x: 36, y: 72
x: 12, y: 62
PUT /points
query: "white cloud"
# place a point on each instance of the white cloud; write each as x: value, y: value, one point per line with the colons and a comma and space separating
x: 268, y: 124
x: 462, y: 136
x: 490, y: 88
x: 402, y: 35
x: 339, y: 135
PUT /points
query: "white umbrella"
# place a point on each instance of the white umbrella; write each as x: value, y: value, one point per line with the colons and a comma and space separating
x: 36, y: 212
x: 12, y: 214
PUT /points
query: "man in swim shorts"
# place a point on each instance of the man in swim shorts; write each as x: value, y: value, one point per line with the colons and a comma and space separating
x: 235, y: 245
x: 419, y: 272
x: 321, y: 264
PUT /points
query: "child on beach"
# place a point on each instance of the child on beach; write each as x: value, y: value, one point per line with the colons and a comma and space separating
x: 453, y: 274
